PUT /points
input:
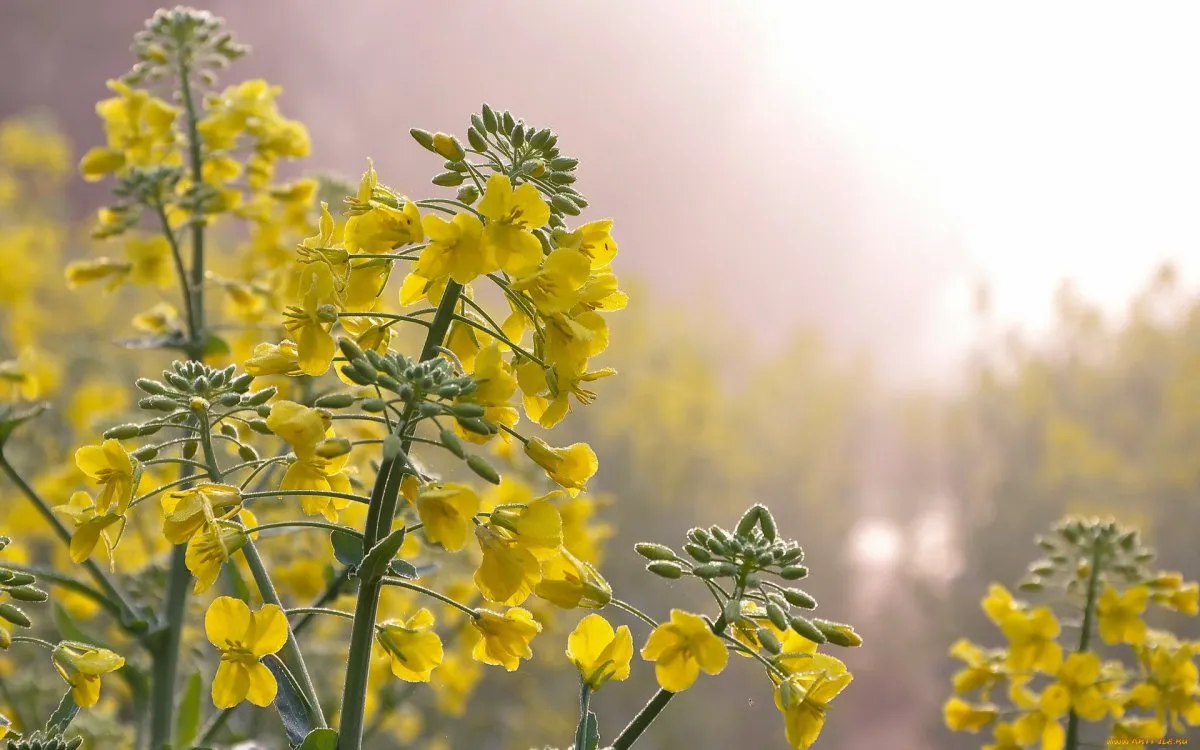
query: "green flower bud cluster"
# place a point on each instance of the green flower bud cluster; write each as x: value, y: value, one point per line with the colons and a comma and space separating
x: 430, y: 389
x: 745, y: 556
x: 16, y: 586
x: 42, y: 740
x: 512, y: 147
x: 1077, y: 544
x: 191, y: 387
x: 183, y: 38
x: 145, y: 187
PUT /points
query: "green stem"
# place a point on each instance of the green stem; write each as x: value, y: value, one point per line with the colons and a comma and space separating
x: 653, y: 707
x: 403, y: 584
x: 378, y: 525
x: 1085, y: 636
x: 303, y: 524
x: 319, y: 611
x: 130, y: 619
x: 585, y: 699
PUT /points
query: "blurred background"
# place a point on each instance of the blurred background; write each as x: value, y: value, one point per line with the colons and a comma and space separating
x: 920, y: 277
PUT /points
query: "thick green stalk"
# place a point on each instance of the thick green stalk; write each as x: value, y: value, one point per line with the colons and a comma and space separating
x: 585, y: 699
x: 378, y: 526
x: 1085, y: 636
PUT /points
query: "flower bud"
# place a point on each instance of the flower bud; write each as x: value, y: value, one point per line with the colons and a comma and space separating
x: 20, y: 579
x: 707, y: 570
x: 838, y: 633
x: 468, y: 194
x: 769, y: 640
x: 247, y: 453
x: 732, y: 611
x: 335, y: 401
x: 698, y: 553
x: 258, y: 398
x: 668, y: 570
x: 333, y: 447
x: 803, y: 626
x: 798, y: 598
x: 476, y: 139
x: 652, y: 551
x: 373, y: 405
x: 153, y: 387
x: 260, y: 426
x: 145, y: 454
x: 793, y: 572
x: 451, y: 442
x: 122, y: 432
x: 448, y: 179
x: 481, y: 467
x: 14, y: 615
x: 423, y: 137
x: 28, y: 594
x: 748, y: 521
x: 777, y: 616
x: 448, y: 147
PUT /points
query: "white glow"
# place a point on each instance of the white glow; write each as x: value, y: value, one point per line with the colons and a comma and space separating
x: 1058, y: 139
x: 875, y: 543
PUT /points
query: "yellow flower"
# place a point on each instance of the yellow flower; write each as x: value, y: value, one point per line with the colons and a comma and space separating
x: 188, y: 511
x: 600, y: 653
x: 570, y: 467
x: 511, y: 215
x: 413, y: 647
x: 139, y: 131
x: 81, y: 272
x: 244, y: 637
x: 1032, y: 640
x: 554, y: 288
x: 1080, y: 675
x: 455, y: 249
x: 999, y: 604
x: 506, y: 638
x: 274, y: 359
x: 81, y: 667
x: 306, y: 430
x: 1005, y: 738
x: 115, y: 470
x: 966, y: 717
x: 1181, y: 598
x: 593, y: 240
x: 446, y: 511
x: 310, y: 322
x: 1041, y: 722
x: 494, y: 391
x: 381, y: 227
x: 804, y: 698
x: 568, y: 582
x: 982, y: 671
x: 90, y: 527
x: 681, y: 648
x: 208, y: 550
x: 150, y: 261
x: 302, y: 427
x: 158, y: 320
x: 508, y: 571
x: 1120, y: 615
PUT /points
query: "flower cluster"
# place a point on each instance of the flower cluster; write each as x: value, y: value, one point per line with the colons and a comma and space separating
x: 1055, y: 687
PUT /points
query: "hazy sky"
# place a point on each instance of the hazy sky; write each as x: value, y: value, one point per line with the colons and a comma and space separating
x: 855, y: 165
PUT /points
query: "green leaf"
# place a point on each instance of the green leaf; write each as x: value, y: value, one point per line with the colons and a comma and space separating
x: 320, y: 739
x: 289, y: 703
x: 187, y: 723
x: 376, y: 563
x: 63, y: 715
x: 404, y: 569
x: 591, y: 732
x: 347, y: 547
x: 215, y: 346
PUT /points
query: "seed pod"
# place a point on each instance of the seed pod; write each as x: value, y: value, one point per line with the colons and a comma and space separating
x: 777, y: 616
x: 476, y: 139
x: 477, y: 426
x: 335, y: 401
x: 652, y: 551
x: 430, y: 409
x: 448, y: 179
x: 565, y: 205
x: 480, y: 466
x: 667, y: 570
x: 793, y: 572
x: 803, y: 626
x: 490, y: 122
x: 798, y: 598
x: 146, y: 453
x: 14, y: 615
x: 242, y: 382
x: 838, y: 633
x: 350, y: 349
x: 229, y: 398
x: 766, y: 522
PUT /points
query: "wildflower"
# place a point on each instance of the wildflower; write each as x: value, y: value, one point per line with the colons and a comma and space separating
x: 311, y: 321
x: 150, y: 261
x: 1040, y: 721
x: 455, y: 249
x: 446, y: 511
x: 381, y: 227
x: 274, y: 359
x: 508, y: 571
x: 511, y: 215
x: 306, y: 430
x: 208, y: 550
x: 593, y: 240
x: 138, y: 128
x: 804, y: 698
x: 244, y: 638
x: 1033, y: 640
x: 1120, y: 615
x: 115, y: 470
x: 966, y: 717
x: 81, y: 272
x: 91, y: 527
x: 681, y: 648
x: 81, y: 666
x: 554, y: 288
x: 600, y: 653
x: 568, y: 582
x: 983, y: 670
x: 570, y: 467
x: 495, y: 386
x: 412, y: 646
x: 188, y: 511
x: 506, y: 637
